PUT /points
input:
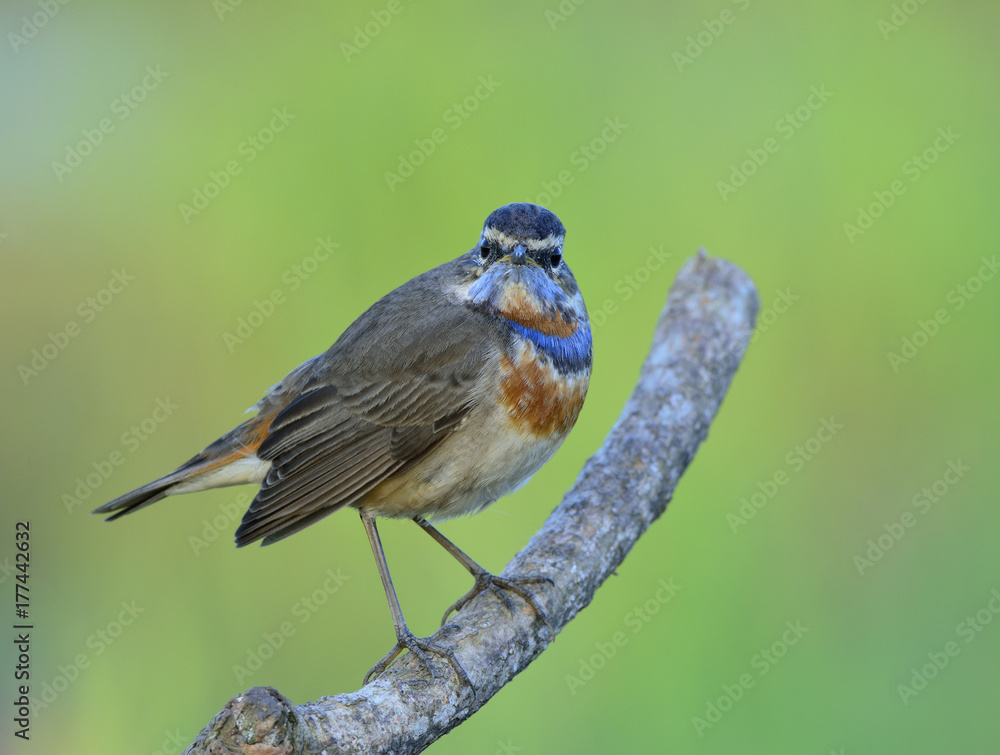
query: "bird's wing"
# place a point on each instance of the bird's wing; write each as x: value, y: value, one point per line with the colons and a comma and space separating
x: 395, y: 384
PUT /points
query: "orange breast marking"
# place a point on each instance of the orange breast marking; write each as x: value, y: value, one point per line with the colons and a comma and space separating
x: 520, y: 307
x: 540, y: 400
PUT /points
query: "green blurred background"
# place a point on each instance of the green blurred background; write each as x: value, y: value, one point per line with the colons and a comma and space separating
x: 757, y: 130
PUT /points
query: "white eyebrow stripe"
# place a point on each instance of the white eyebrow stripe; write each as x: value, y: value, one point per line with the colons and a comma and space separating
x: 499, y: 237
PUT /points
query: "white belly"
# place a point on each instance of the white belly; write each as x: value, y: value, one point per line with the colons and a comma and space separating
x: 474, y: 467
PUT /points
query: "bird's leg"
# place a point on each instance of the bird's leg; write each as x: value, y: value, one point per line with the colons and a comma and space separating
x: 405, y: 639
x: 485, y: 580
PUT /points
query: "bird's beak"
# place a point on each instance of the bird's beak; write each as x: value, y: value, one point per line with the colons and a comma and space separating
x: 519, y: 256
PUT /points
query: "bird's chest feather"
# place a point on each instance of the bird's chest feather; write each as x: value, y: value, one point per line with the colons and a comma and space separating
x: 528, y: 401
x: 541, y: 399
x: 545, y: 370
x: 543, y: 382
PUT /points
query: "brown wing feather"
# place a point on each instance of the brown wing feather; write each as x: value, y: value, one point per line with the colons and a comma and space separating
x: 393, y: 386
x: 331, y: 482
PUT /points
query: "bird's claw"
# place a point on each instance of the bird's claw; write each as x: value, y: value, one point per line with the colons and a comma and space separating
x: 419, y: 647
x: 500, y: 586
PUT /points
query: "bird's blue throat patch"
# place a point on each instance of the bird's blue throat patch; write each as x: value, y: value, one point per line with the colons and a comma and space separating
x: 572, y: 353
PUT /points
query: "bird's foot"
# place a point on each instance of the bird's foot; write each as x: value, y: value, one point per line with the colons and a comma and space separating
x: 500, y: 586
x: 419, y: 647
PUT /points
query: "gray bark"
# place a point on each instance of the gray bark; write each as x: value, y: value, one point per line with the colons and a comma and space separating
x: 700, y: 339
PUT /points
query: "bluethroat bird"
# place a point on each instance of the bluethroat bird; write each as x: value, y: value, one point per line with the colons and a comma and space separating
x: 448, y: 393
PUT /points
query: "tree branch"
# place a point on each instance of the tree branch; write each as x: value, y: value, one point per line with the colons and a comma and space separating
x: 700, y: 339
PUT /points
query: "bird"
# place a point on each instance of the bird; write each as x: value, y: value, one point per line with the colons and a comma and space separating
x: 446, y: 394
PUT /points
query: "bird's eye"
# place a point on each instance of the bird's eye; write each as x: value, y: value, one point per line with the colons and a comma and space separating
x: 484, y: 251
x: 555, y: 258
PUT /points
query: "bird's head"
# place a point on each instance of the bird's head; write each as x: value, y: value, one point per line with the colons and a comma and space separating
x: 516, y: 271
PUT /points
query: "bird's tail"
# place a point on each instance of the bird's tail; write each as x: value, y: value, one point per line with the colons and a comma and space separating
x: 149, y: 493
x: 231, y: 460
